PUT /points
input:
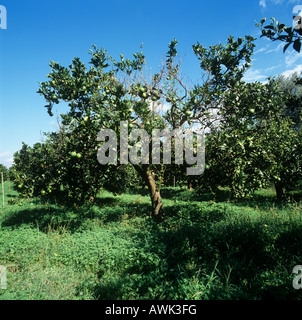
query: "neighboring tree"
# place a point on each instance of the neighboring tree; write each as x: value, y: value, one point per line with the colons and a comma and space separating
x: 255, y: 144
x: 285, y: 134
x: 12, y: 172
x: 111, y: 91
x: 58, y: 169
x: 279, y: 31
x: 4, y: 170
x: 283, y: 145
x: 235, y: 155
x: 291, y: 87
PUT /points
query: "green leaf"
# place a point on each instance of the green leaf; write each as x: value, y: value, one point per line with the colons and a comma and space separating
x: 271, y: 27
x: 286, y: 46
x: 262, y: 21
x: 289, y: 30
x: 297, y: 45
x: 281, y: 27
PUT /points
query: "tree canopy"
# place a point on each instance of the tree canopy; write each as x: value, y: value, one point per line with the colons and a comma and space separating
x: 253, y: 138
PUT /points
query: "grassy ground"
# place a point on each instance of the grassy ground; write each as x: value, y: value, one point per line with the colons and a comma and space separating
x: 206, y: 249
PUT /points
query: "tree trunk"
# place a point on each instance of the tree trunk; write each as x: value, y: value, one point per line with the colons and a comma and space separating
x: 149, y: 179
x: 279, y: 190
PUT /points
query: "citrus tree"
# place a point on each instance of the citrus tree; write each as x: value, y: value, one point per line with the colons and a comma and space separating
x: 57, y: 169
x: 284, y: 155
x: 255, y: 144
x: 291, y: 87
x: 111, y: 91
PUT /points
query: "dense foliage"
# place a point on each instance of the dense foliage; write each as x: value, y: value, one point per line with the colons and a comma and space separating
x: 256, y: 143
x: 111, y: 91
x: 58, y: 169
x: 254, y: 138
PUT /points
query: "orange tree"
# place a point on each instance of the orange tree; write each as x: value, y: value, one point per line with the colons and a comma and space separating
x: 255, y: 144
x: 58, y: 169
x: 112, y: 90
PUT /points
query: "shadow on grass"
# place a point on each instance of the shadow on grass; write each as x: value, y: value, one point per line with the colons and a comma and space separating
x: 199, y: 249
x: 46, y: 216
x: 184, y: 194
x: 266, y: 200
x: 221, y: 195
x: 106, y: 201
x: 43, y: 218
x: 176, y: 262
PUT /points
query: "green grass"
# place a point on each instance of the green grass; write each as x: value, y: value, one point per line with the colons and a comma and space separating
x: 207, y: 248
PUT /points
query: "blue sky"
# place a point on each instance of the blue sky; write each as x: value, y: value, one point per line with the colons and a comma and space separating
x: 40, y: 31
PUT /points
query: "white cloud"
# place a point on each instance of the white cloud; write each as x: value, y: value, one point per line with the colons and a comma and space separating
x: 277, y: 49
x: 291, y: 57
x: 297, y: 69
x: 260, y: 50
x: 6, y: 158
x: 254, y: 75
x: 4, y: 154
x: 262, y: 4
x: 8, y: 162
x: 269, y: 69
x: 266, y: 49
